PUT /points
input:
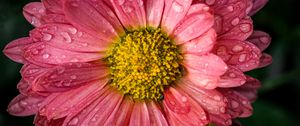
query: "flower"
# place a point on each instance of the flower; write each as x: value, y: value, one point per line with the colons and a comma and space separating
x: 135, y: 62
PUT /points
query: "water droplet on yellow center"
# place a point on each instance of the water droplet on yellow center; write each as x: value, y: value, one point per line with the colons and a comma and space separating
x: 143, y: 63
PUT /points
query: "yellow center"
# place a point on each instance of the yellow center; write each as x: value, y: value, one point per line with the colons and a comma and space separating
x: 143, y: 63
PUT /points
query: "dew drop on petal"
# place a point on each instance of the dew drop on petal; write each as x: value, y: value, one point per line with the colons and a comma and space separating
x: 45, y: 56
x: 230, y: 8
x: 234, y: 104
x: 79, y: 34
x: 73, y: 77
x: 66, y: 37
x: 177, y: 7
x: 242, y: 57
x: 23, y: 103
x: 184, y: 99
x: 237, y: 48
x: 128, y: 9
x: 232, y: 75
x: 245, y: 28
x: 235, y: 21
x: 73, y: 122
x: 47, y: 37
x: 73, y: 30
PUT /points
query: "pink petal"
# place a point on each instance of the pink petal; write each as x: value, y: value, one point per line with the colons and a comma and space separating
x: 232, y: 78
x: 131, y: 13
x: 249, y: 89
x: 197, y: 21
x: 265, y: 60
x: 182, y: 110
x: 43, y: 121
x: 154, y: 11
x: 30, y: 72
x: 121, y: 115
x: 54, y: 6
x: 140, y: 115
x: 257, y: 5
x: 14, y: 50
x: 200, y: 45
x: 68, y: 37
x: 242, y: 29
x: 93, y: 17
x: 98, y: 112
x: 43, y: 54
x: 157, y: 118
x: 238, y: 105
x: 261, y: 39
x: 174, y: 12
x: 208, y: 64
x: 202, y: 80
x: 210, y: 100
x: 33, y: 12
x: 221, y: 119
x: 68, y: 76
x: 24, y: 106
x: 241, y: 54
x: 228, y: 11
x: 58, y: 105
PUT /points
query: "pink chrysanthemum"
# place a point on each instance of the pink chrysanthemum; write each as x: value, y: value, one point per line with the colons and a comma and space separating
x: 138, y: 62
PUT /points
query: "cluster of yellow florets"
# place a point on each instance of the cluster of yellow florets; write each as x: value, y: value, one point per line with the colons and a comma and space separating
x: 143, y: 63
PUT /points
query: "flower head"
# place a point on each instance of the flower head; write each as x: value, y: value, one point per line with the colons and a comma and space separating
x: 138, y: 62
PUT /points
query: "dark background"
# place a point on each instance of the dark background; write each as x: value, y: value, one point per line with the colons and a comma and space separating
x: 278, y: 103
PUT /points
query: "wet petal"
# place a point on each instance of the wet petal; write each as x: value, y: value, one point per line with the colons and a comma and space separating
x: 261, y: 39
x: 93, y: 17
x: 43, y: 54
x: 210, y: 100
x: 121, y: 114
x: 174, y: 12
x: 68, y: 76
x: 241, y: 54
x: 202, y: 80
x: 242, y: 29
x: 221, y: 119
x: 14, y: 50
x: 197, y: 21
x: 227, y: 11
x: 200, y: 45
x: 238, y: 105
x: 98, y: 112
x: 208, y: 64
x: 54, y: 6
x: 157, y: 118
x: 257, y: 5
x: 59, y: 105
x: 24, y: 106
x: 131, y: 13
x: 154, y: 11
x: 68, y: 37
x: 249, y: 89
x: 33, y: 12
x: 265, y: 60
x: 40, y: 120
x: 232, y: 78
x: 140, y: 115
x: 180, y: 109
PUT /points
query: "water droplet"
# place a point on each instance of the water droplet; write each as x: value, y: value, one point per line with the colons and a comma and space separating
x: 230, y: 8
x: 140, y: 2
x: 222, y: 110
x: 128, y: 9
x: 73, y: 77
x: 23, y: 103
x: 209, y: 2
x: 94, y: 119
x: 45, y: 56
x: 74, y: 121
x: 177, y: 7
x: 242, y: 57
x: 53, y: 76
x: 74, y: 60
x: 237, y: 48
x: 84, y: 44
x: 35, y: 21
x: 73, y: 30
x: 235, y: 21
x: 217, y: 98
x: 232, y: 75
x: 264, y: 40
x: 184, y: 99
x: 66, y: 37
x: 245, y: 28
x: 79, y: 34
x: 47, y: 37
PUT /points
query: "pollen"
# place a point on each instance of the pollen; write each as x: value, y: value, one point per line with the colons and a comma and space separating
x: 143, y: 63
